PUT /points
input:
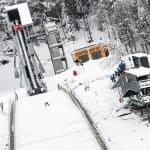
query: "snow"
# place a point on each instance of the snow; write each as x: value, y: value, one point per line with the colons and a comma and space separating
x: 3, y: 126
x: 102, y: 103
x: 61, y: 125
x: 138, y: 54
x: 51, y: 26
x: 142, y: 71
x: 58, y: 126
x: 8, y: 83
x: 88, y: 45
x: 4, y: 118
x: 3, y: 130
x: 44, y: 56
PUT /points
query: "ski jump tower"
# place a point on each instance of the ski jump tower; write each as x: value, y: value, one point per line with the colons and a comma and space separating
x: 56, y: 49
x: 21, y: 25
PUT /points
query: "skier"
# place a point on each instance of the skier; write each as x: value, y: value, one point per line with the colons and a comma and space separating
x: 46, y: 104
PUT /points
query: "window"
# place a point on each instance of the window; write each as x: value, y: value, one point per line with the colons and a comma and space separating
x: 142, y: 78
x: 13, y: 15
x: 136, y: 62
x: 144, y: 62
x: 84, y: 58
x: 96, y: 55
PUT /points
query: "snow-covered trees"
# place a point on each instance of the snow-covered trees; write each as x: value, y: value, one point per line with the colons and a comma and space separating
x: 126, y: 20
x: 130, y: 20
x: 76, y: 9
x: 71, y: 7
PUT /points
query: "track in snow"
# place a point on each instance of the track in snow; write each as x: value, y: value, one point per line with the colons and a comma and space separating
x: 58, y: 126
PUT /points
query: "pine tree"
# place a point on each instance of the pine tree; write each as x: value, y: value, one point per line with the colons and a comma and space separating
x: 72, y: 11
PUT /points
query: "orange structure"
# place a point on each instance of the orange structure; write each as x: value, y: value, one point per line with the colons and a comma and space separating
x: 91, y: 52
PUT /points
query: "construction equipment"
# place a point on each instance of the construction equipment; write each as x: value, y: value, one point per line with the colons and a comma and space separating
x: 21, y: 25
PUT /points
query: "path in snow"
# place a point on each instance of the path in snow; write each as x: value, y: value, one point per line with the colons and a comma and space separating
x: 58, y: 126
x: 92, y: 88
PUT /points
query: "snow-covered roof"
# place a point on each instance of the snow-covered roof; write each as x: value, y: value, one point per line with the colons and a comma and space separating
x: 142, y: 71
x: 138, y: 55
x: 3, y: 2
x: 85, y: 47
x: 24, y: 13
x: 129, y: 60
x: 51, y: 26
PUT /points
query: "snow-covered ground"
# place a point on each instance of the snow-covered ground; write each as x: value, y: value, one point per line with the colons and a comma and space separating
x: 4, y: 125
x: 57, y: 126
x: 7, y: 80
x: 92, y: 88
x: 40, y: 127
x: 69, y: 127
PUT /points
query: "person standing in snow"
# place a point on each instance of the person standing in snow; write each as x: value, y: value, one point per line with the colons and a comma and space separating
x: 77, y: 61
x: 112, y: 77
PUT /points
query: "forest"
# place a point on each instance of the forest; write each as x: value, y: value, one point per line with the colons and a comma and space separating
x: 125, y: 20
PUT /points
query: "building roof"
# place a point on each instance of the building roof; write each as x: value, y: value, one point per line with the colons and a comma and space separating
x: 23, y: 12
x: 138, y: 54
x: 51, y: 26
x: 89, y: 46
x: 139, y: 72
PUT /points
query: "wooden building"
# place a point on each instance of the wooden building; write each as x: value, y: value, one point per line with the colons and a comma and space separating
x: 91, y: 52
